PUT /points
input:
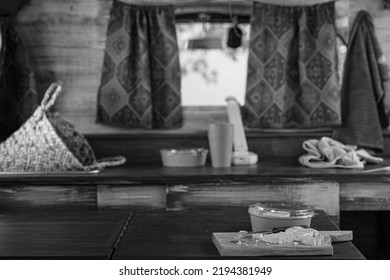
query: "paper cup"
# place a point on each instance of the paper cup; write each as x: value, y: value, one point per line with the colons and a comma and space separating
x: 221, y: 144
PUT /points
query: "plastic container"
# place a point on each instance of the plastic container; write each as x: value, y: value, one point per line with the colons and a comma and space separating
x: 185, y: 157
x: 265, y: 216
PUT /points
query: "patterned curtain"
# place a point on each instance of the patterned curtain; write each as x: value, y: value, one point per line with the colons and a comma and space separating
x: 292, y: 71
x: 141, y: 79
x: 18, y: 97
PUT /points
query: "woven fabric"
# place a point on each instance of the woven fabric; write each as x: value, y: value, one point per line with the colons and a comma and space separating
x: 141, y: 79
x: 365, y: 88
x: 36, y: 147
x: 73, y: 140
x: 18, y: 97
x: 47, y: 142
x: 292, y: 71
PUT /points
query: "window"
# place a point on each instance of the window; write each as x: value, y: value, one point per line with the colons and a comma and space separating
x: 210, y: 75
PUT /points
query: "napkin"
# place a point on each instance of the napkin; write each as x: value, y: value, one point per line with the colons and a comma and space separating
x: 329, y: 153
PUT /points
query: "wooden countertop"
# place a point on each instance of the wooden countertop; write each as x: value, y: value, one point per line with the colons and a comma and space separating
x: 61, y: 235
x: 123, y: 234
x: 187, y: 235
x: 276, y: 170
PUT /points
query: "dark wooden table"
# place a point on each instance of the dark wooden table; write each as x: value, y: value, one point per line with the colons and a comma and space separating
x: 122, y: 234
x: 61, y: 235
x: 275, y: 169
x: 187, y: 234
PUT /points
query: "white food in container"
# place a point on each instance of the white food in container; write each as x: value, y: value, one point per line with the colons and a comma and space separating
x: 266, y: 216
x: 184, y: 157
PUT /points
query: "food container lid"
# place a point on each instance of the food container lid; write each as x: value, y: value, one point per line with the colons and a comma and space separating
x: 281, y: 210
x: 184, y: 151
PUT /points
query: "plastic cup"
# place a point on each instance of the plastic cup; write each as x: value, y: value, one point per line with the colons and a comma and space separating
x: 221, y: 144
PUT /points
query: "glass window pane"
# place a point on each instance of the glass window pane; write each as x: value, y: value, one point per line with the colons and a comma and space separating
x: 210, y: 75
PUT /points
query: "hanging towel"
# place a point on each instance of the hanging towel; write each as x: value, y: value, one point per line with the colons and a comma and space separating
x: 365, y: 91
x: 329, y: 153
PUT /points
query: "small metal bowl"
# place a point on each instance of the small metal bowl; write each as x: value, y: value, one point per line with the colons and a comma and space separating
x: 184, y: 157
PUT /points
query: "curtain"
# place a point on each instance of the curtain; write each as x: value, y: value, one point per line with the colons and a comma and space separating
x: 18, y: 97
x: 292, y: 70
x: 141, y: 79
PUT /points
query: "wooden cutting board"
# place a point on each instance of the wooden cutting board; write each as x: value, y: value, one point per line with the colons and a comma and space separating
x: 228, y: 244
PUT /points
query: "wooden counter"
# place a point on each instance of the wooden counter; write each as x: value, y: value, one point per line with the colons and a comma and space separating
x: 187, y: 235
x: 119, y: 234
x: 277, y: 170
x: 145, y: 187
x: 61, y: 235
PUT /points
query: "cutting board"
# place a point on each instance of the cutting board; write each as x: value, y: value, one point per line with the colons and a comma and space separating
x: 228, y: 244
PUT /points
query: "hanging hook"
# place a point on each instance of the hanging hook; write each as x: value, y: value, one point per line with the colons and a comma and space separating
x: 235, y: 32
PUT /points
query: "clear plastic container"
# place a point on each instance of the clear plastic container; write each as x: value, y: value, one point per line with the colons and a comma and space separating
x: 184, y: 157
x: 265, y: 216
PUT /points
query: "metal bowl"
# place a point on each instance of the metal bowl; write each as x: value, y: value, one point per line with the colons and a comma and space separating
x: 184, y: 157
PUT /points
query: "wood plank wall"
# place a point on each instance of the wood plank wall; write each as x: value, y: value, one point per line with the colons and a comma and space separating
x: 65, y: 40
x: 381, y: 20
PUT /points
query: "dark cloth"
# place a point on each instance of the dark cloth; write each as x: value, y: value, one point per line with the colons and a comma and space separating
x: 292, y: 70
x: 365, y: 91
x: 18, y: 97
x: 141, y: 79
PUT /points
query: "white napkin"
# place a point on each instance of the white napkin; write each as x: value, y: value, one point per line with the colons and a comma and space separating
x: 329, y: 153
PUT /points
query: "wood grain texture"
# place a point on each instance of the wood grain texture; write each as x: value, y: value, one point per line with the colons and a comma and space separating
x: 321, y: 196
x: 54, y: 197
x: 268, y: 171
x: 365, y: 195
x: 187, y: 235
x: 145, y: 147
x: 130, y: 197
x: 60, y: 235
x: 227, y: 246
x: 66, y: 40
x: 339, y: 236
x: 275, y: 179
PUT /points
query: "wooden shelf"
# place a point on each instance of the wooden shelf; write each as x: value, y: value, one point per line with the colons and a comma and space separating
x: 275, y: 170
x: 152, y: 186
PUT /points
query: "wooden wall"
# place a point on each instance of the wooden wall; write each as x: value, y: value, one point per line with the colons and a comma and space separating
x: 381, y: 20
x: 65, y: 40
